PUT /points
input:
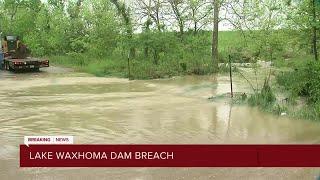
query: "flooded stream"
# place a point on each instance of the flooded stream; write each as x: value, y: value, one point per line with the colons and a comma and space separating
x: 117, y: 111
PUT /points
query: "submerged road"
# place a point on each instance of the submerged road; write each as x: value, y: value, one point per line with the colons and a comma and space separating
x: 94, y: 110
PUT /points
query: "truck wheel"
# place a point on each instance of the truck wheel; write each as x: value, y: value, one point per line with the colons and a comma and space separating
x: 34, y: 70
x: 6, y: 66
x: 10, y: 69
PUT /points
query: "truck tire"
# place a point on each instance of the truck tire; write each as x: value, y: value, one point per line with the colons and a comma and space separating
x: 10, y: 69
x: 6, y: 65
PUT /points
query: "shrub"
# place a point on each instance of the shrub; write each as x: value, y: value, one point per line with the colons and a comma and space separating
x: 303, y: 81
x: 265, y: 98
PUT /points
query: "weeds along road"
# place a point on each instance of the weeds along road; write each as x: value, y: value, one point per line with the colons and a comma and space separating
x: 59, y: 101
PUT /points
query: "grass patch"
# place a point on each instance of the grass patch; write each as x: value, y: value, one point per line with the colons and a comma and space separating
x: 139, y: 68
x: 264, y: 99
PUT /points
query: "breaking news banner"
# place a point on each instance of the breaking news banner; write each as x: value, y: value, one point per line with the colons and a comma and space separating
x: 66, y: 154
x: 48, y: 140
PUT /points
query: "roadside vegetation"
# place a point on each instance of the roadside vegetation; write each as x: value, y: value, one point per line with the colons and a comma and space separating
x: 162, y: 38
x: 302, y: 86
x: 188, y: 56
x: 147, y: 39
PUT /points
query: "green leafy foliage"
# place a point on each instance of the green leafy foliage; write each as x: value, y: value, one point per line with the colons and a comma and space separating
x: 102, y: 33
x: 265, y: 98
x: 303, y: 81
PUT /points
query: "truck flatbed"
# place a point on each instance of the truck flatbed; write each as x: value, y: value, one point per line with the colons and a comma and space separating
x: 25, y: 64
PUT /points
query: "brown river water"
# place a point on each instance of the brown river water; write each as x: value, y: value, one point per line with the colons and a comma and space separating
x: 117, y: 111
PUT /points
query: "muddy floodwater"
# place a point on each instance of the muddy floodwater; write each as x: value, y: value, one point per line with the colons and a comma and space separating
x: 117, y: 111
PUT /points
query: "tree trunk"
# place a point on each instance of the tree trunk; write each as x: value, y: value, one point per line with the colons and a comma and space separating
x: 146, y: 52
x: 156, y: 57
x: 314, y: 31
x: 178, y: 15
x: 148, y: 23
x: 125, y: 13
x: 215, y: 34
x: 181, y: 27
x: 195, y: 27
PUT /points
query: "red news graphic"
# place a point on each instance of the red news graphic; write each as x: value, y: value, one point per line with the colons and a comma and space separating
x: 170, y: 156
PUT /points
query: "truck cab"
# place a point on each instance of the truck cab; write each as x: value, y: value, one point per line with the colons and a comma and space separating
x: 12, y: 43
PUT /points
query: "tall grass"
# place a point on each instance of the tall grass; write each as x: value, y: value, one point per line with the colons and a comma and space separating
x: 303, y: 82
x: 139, y: 69
x: 264, y: 98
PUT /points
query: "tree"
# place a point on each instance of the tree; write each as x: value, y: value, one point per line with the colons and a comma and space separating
x: 179, y: 9
x: 199, y: 13
x: 124, y: 11
x: 215, y: 32
x: 143, y: 7
x: 261, y: 24
x: 156, y: 13
x: 102, y: 26
x: 304, y: 19
x: 314, y: 29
